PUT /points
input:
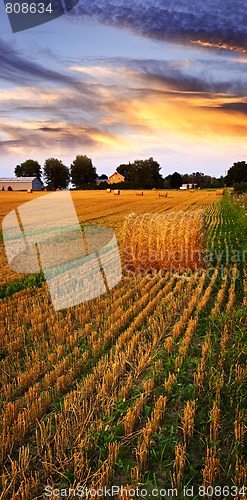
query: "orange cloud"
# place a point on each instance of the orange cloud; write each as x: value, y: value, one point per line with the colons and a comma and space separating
x: 219, y: 45
x: 192, y: 117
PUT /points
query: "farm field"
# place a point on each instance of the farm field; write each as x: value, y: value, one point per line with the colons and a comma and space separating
x: 142, y: 387
x: 99, y: 207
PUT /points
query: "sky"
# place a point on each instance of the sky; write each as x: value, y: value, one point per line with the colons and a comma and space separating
x: 123, y: 80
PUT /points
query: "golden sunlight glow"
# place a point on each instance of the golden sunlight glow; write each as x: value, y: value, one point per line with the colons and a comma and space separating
x: 175, y: 115
x: 107, y: 139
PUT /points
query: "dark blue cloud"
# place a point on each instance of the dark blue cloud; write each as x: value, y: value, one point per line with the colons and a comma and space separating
x: 193, y: 76
x: 239, y: 107
x: 212, y: 21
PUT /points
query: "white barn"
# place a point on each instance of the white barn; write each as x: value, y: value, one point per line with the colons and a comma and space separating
x: 20, y: 183
x: 188, y: 186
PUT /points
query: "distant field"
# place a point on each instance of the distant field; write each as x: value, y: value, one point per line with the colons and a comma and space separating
x: 88, y: 208
x: 101, y: 208
x: 143, y: 387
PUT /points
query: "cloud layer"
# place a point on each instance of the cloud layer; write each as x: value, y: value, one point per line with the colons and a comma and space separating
x: 116, y: 101
x: 188, y: 101
x: 221, y: 24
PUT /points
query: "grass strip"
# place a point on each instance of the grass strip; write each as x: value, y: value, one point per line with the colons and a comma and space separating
x: 10, y: 288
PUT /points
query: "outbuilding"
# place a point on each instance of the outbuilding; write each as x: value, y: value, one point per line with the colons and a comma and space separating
x: 20, y: 183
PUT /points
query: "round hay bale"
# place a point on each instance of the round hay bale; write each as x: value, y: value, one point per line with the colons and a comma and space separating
x: 220, y: 192
x: 172, y: 241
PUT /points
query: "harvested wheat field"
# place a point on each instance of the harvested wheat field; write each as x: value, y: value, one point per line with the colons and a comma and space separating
x: 140, y: 391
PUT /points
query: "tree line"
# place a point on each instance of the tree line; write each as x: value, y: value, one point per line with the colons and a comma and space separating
x: 144, y: 174
x: 56, y: 175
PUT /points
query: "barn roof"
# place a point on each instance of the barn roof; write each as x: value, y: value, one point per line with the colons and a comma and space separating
x: 101, y: 180
x: 17, y: 179
x: 117, y: 173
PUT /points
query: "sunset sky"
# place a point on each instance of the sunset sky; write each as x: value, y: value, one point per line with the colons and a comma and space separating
x: 124, y: 80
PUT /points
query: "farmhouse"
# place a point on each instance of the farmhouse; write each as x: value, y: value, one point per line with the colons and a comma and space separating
x: 20, y: 183
x: 116, y: 177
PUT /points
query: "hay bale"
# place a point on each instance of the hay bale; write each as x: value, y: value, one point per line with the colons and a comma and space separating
x: 139, y: 193
x: 173, y: 241
x: 220, y: 192
x: 154, y: 189
x: 108, y: 190
x: 116, y: 191
x: 162, y: 195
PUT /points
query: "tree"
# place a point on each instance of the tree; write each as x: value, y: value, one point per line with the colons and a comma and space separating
x: 56, y: 174
x: 176, y: 180
x: 29, y: 168
x: 82, y: 171
x: 240, y: 187
x: 187, y: 179
x: 203, y: 181
x: 197, y: 178
x: 207, y: 182
x: 166, y: 182
x: 103, y: 177
x: 237, y: 173
x: 126, y: 169
x: 142, y: 173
